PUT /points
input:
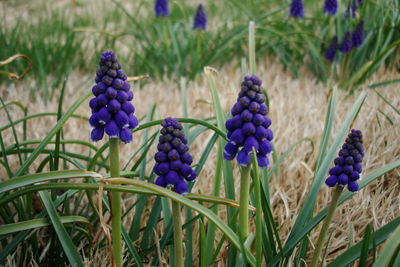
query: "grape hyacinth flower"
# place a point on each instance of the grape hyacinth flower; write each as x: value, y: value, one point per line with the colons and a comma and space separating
x: 173, y: 158
x: 352, y: 7
x: 348, y: 165
x: 200, y: 18
x: 249, y: 126
x: 112, y: 111
x: 358, y: 34
x: 161, y: 8
x: 331, y: 7
x: 330, y: 52
x: 296, y: 9
x: 347, y: 43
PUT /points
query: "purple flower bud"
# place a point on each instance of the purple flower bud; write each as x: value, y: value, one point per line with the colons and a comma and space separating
x: 128, y: 107
x: 107, y: 80
x: 192, y: 176
x: 244, y: 101
x: 182, y: 148
x: 348, y: 169
x: 111, y: 93
x: 103, y: 115
x: 261, y: 133
x: 339, y: 161
x: 200, y: 18
x: 187, y: 158
x: 97, y: 134
x: 330, y: 7
x: 161, y: 8
x: 93, y: 104
x: 125, y: 135
x: 262, y: 160
x: 237, y: 137
x: 263, y: 109
x: 237, y: 109
x: 172, y: 178
x: 160, y: 181
x: 343, y: 179
x: 133, y: 121
x: 250, y: 142
x: 160, y: 156
x: 331, y: 181
x: 101, y: 100
x: 258, y: 119
x: 243, y: 157
x: 265, y: 147
x: 101, y: 87
x: 354, y: 176
x: 337, y: 170
x: 122, y: 96
x: 130, y: 95
x: 125, y: 86
x: 260, y: 98
x: 122, y: 119
x: 173, y: 155
x: 112, y: 129
x: 94, y: 121
x: 246, y: 115
x: 267, y: 122
x: 230, y: 151
x: 181, y: 188
x: 270, y: 135
x: 117, y: 83
x: 176, y: 165
x: 353, y: 186
x: 113, y: 106
x: 95, y: 90
x: 254, y: 107
x: 248, y: 128
x: 296, y: 9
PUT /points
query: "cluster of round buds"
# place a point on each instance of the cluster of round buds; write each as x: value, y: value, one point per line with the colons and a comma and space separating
x: 249, y: 126
x: 348, y: 166
x: 173, y: 159
x: 112, y: 111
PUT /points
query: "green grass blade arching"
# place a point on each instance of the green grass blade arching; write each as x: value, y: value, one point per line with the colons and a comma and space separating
x: 364, y: 247
x: 389, y: 251
x: 63, y: 236
x: 377, y: 237
x: 37, y: 223
x: 50, y: 135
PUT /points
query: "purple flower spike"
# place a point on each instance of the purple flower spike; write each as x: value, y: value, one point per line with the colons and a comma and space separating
x: 173, y: 159
x: 161, y: 8
x: 200, y: 18
x: 248, y: 129
x: 347, y: 43
x: 331, y: 7
x: 296, y: 9
x: 358, y: 34
x: 347, y: 168
x: 112, y: 112
x: 330, y: 52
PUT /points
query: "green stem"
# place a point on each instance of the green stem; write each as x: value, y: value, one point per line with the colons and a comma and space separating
x: 115, y: 204
x: 257, y: 194
x: 325, y: 226
x: 178, y: 240
x: 252, y: 47
x: 244, y: 202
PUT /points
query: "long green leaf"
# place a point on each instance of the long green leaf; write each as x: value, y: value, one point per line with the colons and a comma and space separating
x: 390, y: 250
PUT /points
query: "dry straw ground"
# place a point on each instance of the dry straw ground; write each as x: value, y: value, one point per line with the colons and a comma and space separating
x: 297, y: 109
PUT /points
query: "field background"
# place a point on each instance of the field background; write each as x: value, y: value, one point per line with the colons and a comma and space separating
x: 298, y: 105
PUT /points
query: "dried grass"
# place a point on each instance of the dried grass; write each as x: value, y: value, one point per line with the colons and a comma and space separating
x: 298, y: 109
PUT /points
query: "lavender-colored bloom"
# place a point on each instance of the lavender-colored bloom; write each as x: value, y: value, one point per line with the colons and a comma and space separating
x: 358, y: 34
x: 296, y: 9
x: 330, y: 52
x: 347, y: 167
x: 161, y: 8
x: 111, y: 111
x: 173, y: 159
x: 331, y: 7
x: 347, y: 43
x: 248, y: 130
x: 200, y: 18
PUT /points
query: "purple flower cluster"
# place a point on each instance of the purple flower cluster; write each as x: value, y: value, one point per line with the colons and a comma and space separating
x: 358, y: 34
x: 348, y: 165
x: 173, y: 159
x: 347, y: 43
x: 296, y: 9
x: 200, y: 18
x: 331, y: 7
x: 161, y: 8
x: 330, y: 52
x: 249, y: 126
x: 112, y: 111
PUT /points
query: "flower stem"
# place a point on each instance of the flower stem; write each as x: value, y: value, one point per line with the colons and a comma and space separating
x: 325, y: 226
x: 252, y: 47
x: 244, y: 202
x: 115, y: 205
x: 178, y: 240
